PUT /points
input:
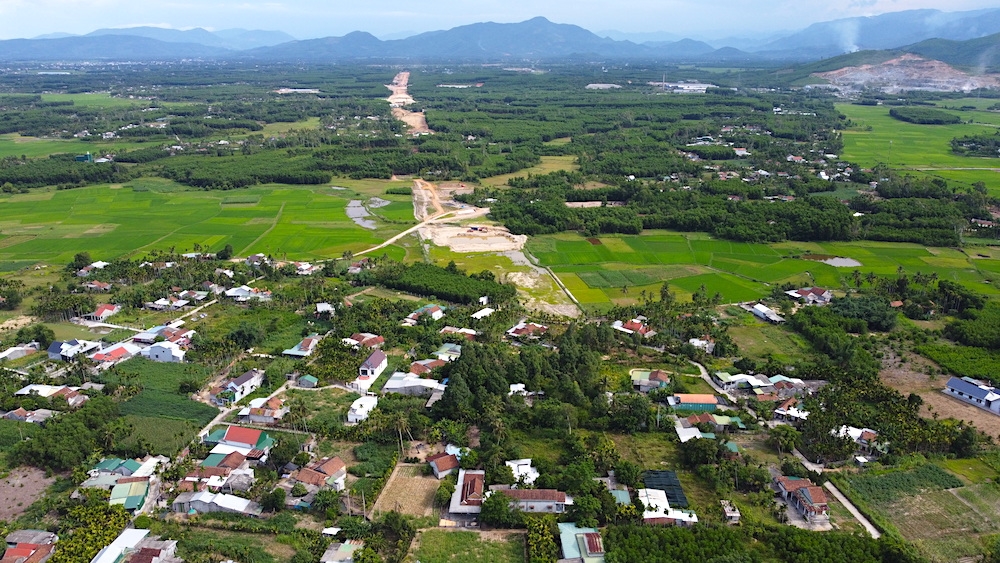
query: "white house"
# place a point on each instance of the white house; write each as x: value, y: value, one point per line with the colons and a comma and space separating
x: 975, y: 393
x: 205, y: 501
x: 523, y: 471
x: 811, y: 295
x: 411, y: 384
x: 544, y: 501
x: 66, y: 351
x: 361, y: 408
x: 164, y: 352
x: 18, y: 352
x: 658, y: 510
x: 235, y: 389
x: 375, y: 364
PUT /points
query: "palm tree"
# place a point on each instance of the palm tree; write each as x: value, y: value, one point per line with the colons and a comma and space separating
x: 856, y: 276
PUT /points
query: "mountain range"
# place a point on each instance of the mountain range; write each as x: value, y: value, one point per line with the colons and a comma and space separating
x: 968, y: 36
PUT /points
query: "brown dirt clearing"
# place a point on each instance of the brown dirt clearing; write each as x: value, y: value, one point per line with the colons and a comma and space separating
x: 408, y: 492
x: 22, y: 487
x: 911, y: 377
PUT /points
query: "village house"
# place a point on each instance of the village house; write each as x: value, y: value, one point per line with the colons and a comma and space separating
x: 694, y: 402
x: 115, y: 354
x: 730, y: 512
x: 522, y: 470
x: 237, y: 438
x: 636, y: 325
x: 154, y: 550
x: 789, y: 411
x: 203, y: 501
x: 257, y: 260
x: 811, y: 295
x: 306, y: 269
x: 361, y: 408
x: 974, y: 392
x: 324, y: 309
x: 525, y: 329
x: 645, y: 381
x: 466, y: 333
x: 37, y: 416
x: 435, y: 312
x: 866, y: 439
x: 234, y: 390
x: 87, y: 270
x: 483, y: 313
x: 165, y: 351
x: 191, y: 295
x: 360, y: 340
x: 304, y: 348
x: 739, y: 381
x: 29, y: 546
x: 125, y: 542
x: 74, y: 398
x: 658, y: 511
x: 443, y: 464
x: 66, y: 351
x: 706, y: 344
x: 102, y: 312
x: 469, y: 490
x: 19, y: 351
x: 338, y: 552
x: 327, y: 472
x: 263, y: 411
x: 411, y: 384
x: 448, y: 352
x: 805, y: 497
x: 369, y: 371
x: 97, y: 286
x: 423, y: 367
x: 536, y: 501
x: 718, y: 423
x: 213, y: 288
x: 766, y: 313
x: 580, y: 545
x: 245, y: 294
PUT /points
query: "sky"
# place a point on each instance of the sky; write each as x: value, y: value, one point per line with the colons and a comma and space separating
x: 306, y: 19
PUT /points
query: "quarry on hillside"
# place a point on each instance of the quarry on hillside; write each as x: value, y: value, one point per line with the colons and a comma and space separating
x: 908, y: 72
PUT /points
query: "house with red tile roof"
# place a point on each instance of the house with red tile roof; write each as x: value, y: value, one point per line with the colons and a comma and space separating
x: 443, y: 464
x: 102, y: 312
x: 804, y: 496
x: 546, y: 501
x: 525, y: 329
x: 468, y: 496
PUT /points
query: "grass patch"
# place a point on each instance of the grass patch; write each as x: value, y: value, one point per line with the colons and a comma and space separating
x: 441, y: 546
x: 974, y: 471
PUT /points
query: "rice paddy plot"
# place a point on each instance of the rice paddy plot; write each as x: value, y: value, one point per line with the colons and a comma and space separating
x: 291, y: 222
x: 918, y: 148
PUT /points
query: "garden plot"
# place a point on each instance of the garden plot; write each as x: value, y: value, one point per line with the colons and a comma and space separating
x: 408, y: 492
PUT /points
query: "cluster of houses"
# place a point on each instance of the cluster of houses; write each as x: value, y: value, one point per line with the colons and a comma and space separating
x: 228, y: 469
x: 29, y: 546
x: 635, y: 326
x: 761, y: 387
x: 73, y: 396
x: 127, y: 481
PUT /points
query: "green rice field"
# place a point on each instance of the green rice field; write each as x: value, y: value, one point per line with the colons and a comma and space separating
x: 110, y: 221
x: 921, y: 149
x: 616, y: 269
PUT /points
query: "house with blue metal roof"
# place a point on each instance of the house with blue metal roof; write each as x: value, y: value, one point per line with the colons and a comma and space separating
x: 974, y: 392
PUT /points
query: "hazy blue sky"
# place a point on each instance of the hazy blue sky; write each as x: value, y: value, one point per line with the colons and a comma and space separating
x: 321, y: 18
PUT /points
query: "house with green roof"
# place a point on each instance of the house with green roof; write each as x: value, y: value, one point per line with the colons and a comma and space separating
x: 130, y: 492
x: 116, y: 466
x: 581, y: 544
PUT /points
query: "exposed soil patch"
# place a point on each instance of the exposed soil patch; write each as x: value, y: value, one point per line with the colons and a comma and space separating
x: 15, y: 324
x: 20, y: 489
x: 911, y: 377
x: 408, y: 492
x: 473, y: 238
x: 595, y: 241
x: 908, y: 72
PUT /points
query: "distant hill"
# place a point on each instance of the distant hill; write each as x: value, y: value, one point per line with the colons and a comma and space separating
x: 232, y: 39
x: 886, y: 31
x: 979, y: 55
x: 106, y: 47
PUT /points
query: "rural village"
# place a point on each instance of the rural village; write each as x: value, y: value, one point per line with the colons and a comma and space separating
x: 753, y: 342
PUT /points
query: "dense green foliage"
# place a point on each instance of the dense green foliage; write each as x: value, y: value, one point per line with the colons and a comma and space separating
x: 924, y: 115
x: 635, y: 544
x: 964, y: 361
x: 980, y: 328
x: 977, y: 145
x: 445, y: 283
